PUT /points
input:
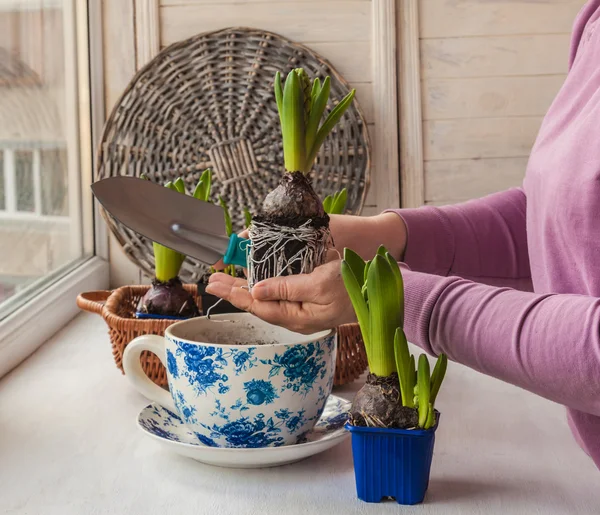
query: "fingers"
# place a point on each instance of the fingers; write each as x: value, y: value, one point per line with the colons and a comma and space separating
x: 227, y: 279
x: 230, y: 289
x: 293, y: 288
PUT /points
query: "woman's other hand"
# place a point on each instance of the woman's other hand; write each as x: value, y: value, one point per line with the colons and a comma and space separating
x: 304, y: 303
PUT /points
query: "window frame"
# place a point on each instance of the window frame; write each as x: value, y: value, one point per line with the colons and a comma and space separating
x: 31, y: 324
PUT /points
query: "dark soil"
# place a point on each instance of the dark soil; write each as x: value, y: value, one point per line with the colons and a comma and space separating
x: 168, y: 299
x: 379, y: 404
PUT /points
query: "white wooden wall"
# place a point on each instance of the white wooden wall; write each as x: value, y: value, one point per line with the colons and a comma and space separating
x: 489, y: 71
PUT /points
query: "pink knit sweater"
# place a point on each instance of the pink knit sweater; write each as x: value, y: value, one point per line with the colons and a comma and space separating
x: 509, y: 284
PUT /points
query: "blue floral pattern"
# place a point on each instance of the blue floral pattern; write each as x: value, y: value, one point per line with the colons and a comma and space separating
x: 245, y: 431
x: 243, y: 360
x: 204, y: 367
x: 172, y: 364
x: 186, y: 411
x: 259, y: 391
x: 154, y: 427
x: 258, y: 431
x: 301, y: 365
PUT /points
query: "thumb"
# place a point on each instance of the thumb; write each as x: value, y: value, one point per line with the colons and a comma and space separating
x: 292, y: 288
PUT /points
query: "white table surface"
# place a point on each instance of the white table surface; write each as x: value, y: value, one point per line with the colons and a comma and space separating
x: 69, y: 445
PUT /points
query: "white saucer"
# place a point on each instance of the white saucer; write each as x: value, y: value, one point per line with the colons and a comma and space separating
x: 168, y: 429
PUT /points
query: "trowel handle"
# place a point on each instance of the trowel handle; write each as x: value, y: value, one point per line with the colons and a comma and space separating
x: 237, y: 252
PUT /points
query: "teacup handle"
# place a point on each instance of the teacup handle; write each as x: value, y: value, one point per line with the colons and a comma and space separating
x: 135, y: 373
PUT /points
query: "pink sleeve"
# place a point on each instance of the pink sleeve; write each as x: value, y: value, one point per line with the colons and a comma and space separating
x: 578, y: 27
x: 483, y: 239
x: 547, y: 344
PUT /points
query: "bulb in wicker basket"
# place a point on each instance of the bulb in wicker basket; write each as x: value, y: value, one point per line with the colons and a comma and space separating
x: 167, y: 297
x: 290, y: 235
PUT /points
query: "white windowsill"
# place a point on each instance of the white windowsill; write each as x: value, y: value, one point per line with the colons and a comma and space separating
x: 69, y: 445
x: 22, y: 332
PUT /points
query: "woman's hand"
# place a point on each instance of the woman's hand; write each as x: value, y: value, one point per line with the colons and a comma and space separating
x: 304, y: 303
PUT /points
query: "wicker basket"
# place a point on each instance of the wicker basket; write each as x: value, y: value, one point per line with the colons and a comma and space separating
x: 118, y: 310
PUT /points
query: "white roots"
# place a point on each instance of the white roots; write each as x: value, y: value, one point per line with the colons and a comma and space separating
x: 268, y: 250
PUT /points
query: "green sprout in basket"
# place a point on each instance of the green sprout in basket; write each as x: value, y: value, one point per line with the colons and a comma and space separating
x: 291, y: 233
x: 397, y: 394
x: 336, y: 204
x: 167, y: 296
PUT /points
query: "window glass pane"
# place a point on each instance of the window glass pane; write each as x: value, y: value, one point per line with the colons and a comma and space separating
x: 53, y: 169
x: 2, y: 181
x: 24, y: 180
x: 40, y: 217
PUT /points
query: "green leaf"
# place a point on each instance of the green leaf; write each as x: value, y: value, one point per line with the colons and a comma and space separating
x: 383, y: 316
x: 399, y: 283
x: 292, y: 125
x: 144, y: 176
x: 327, y: 203
x: 279, y: 96
x: 228, y: 223
x: 207, y: 179
x: 326, y: 128
x: 358, y: 303
x: 247, y: 218
x: 430, y: 417
x: 339, y: 202
x: 306, y: 92
x: 356, y: 264
x: 381, y: 251
x: 439, y: 371
x: 167, y: 262
x: 171, y: 186
x: 367, y: 266
x: 412, y: 373
x: 202, y: 191
x: 198, y: 190
x: 316, y: 89
x: 402, y: 355
x: 424, y: 384
x: 180, y: 185
x: 317, y: 108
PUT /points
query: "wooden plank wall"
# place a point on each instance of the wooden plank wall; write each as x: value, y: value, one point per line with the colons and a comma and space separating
x: 339, y: 30
x: 489, y: 71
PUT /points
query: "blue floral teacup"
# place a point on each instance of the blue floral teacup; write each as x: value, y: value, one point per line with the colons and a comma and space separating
x: 237, y: 381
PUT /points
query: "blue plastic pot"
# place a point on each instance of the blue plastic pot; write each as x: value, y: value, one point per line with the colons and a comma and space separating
x: 392, y: 462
